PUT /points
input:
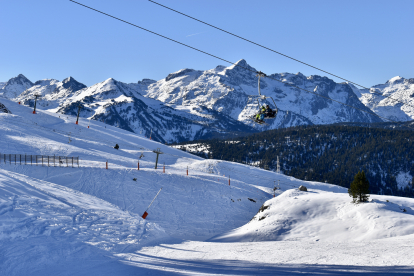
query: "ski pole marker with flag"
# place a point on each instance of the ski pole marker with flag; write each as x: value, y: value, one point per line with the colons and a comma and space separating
x: 144, y: 216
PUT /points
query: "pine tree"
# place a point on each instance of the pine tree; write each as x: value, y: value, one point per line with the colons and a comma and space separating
x: 359, y: 188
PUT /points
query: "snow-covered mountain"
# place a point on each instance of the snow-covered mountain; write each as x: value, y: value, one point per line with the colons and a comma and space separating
x: 52, y: 92
x: 233, y: 90
x: 191, y: 104
x: 122, y: 105
x: 15, y: 86
x: 379, y: 99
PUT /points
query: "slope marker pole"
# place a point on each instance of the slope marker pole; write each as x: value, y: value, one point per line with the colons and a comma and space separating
x: 144, y: 216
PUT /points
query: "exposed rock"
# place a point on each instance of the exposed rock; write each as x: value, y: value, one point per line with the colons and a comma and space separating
x: 3, y: 109
x: 303, y: 188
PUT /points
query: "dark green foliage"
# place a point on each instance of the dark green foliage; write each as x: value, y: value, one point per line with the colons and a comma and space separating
x: 359, y: 188
x: 331, y: 153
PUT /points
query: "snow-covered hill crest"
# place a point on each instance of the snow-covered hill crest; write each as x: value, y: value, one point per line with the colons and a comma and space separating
x: 325, y: 216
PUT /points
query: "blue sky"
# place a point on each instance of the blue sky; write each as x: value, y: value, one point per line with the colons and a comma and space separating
x: 367, y: 42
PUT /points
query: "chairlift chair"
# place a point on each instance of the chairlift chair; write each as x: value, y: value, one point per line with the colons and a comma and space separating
x: 271, y: 115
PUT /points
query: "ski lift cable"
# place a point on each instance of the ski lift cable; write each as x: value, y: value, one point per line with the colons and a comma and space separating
x: 257, y: 44
x: 371, y: 113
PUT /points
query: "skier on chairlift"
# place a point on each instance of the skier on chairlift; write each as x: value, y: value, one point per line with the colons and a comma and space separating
x: 260, y: 117
x: 269, y: 113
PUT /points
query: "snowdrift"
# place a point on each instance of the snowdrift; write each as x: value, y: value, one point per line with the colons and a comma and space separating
x: 319, y: 215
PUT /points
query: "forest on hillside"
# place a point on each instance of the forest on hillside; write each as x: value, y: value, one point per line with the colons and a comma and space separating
x: 330, y: 153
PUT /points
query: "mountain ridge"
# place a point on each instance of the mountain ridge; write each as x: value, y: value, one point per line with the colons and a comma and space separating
x: 200, y: 96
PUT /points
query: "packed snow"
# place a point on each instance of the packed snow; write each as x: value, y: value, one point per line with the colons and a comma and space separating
x: 222, y: 218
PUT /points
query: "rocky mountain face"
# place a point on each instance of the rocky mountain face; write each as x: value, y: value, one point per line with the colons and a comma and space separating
x: 233, y: 91
x: 3, y: 109
x: 52, y: 92
x: 193, y: 104
x: 122, y: 105
x: 15, y: 86
x: 380, y: 99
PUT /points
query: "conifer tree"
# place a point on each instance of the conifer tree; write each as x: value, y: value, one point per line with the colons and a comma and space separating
x: 359, y: 188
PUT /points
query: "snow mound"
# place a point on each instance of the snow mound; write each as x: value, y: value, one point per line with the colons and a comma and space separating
x: 319, y: 215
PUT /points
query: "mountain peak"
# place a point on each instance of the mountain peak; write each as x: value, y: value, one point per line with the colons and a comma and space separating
x: 15, y: 86
x: 241, y: 62
x: 69, y: 79
x: 20, y: 79
x: 72, y: 84
x: 179, y: 73
x: 146, y: 81
x: 240, y: 65
x: 396, y: 79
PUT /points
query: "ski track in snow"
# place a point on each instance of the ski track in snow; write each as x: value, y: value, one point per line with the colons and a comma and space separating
x: 87, y: 220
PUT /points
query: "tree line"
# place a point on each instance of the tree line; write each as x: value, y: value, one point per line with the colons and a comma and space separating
x: 329, y: 153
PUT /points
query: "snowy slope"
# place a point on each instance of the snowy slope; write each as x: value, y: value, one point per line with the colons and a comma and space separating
x: 85, y: 221
x: 380, y: 97
x: 35, y: 135
x: 51, y: 223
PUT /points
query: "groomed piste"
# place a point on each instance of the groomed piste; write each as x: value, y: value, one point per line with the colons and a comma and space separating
x: 212, y: 217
